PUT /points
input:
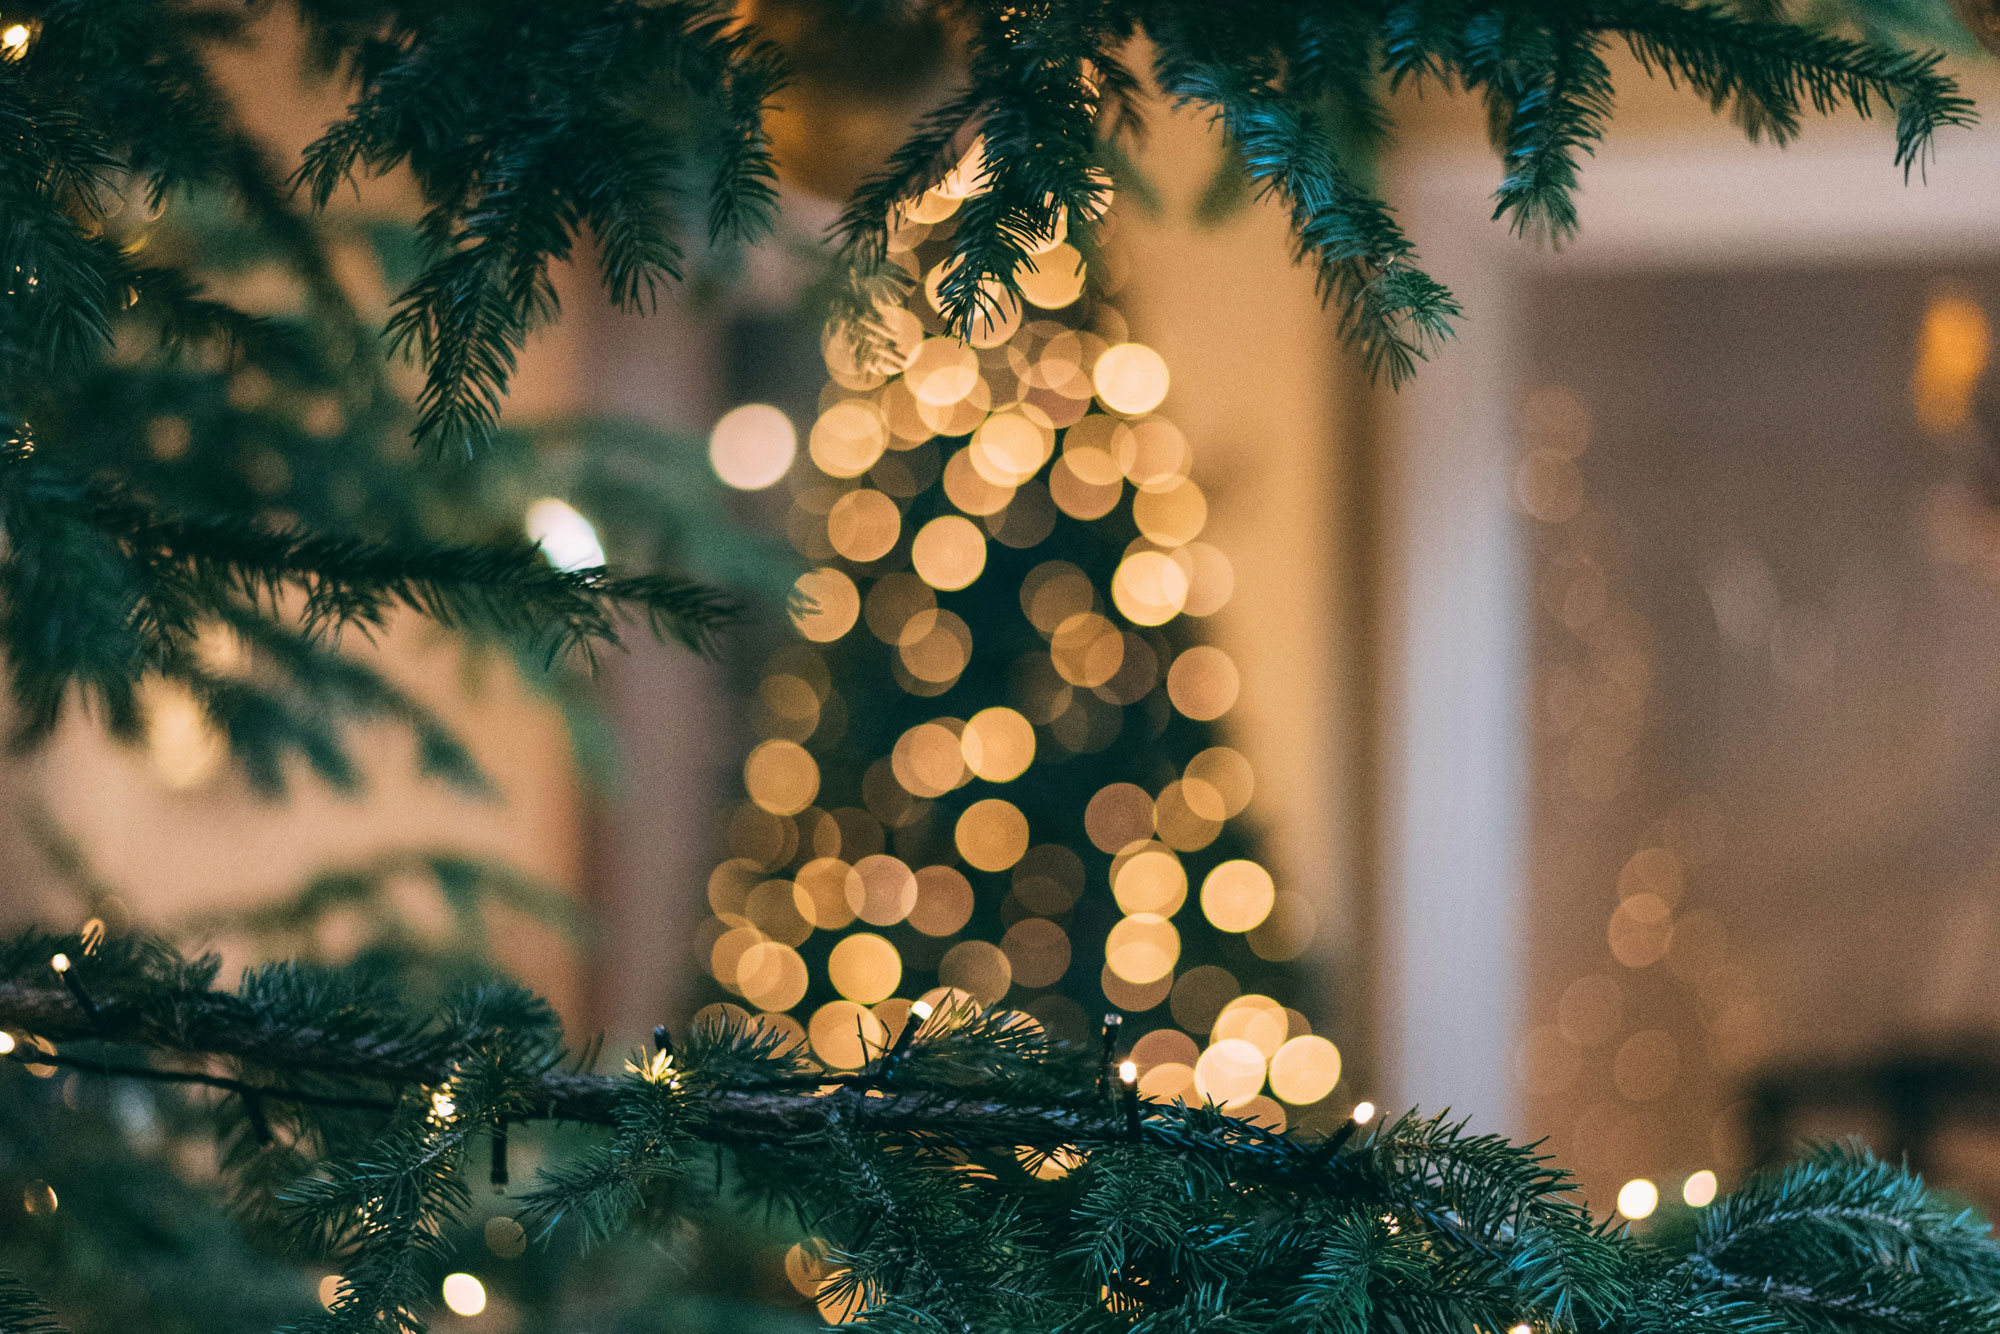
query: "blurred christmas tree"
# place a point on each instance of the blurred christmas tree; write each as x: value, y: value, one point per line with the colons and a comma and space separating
x: 991, y: 768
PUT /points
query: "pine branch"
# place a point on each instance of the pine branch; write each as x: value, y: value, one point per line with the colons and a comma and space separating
x: 21, y: 1312
x: 914, y: 1175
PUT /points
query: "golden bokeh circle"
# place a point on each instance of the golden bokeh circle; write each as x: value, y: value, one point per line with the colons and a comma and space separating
x: 1237, y: 896
x: 1165, y: 1046
x: 991, y: 834
x: 771, y: 976
x: 1172, y: 517
x: 1131, y: 378
x: 1203, y: 683
x: 781, y: 777
x: 863, y: 525
x: 949, y: 552
x: 1038, y: 951
x: 821, y: 890
x: 1118, y: 815
x: 998, y: 745
x: 864, y: 967
x: 979, y: 968
x: 1154, y: 881
x: 751, y: 447
x: 844, y: 1035
x: 887, y: 890
x: 848, y: 438
x: 944, y: 901
x: 1142, y: 948
x: 828, y: 604
x: 1149, y: 588
x: 1255, y: 1019
x: 928, y: 760
x: 1229, y: 1073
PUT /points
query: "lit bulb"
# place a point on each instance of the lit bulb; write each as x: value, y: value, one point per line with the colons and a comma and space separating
x: 464, y: 1294
x: 1699, y: 1190
x: 6, y: 1042
x: 60, y: 963
x: 1523, y: 1328
x: 1638, y: 1198
x: 922, y: 1009
x: 1363, y: 1113
x: 14, y: 38
x: 443, y: 1106
x: 564, y: 536
x: 1128, y: 1072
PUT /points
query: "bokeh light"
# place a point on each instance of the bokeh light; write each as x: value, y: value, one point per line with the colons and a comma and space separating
x: 752, y: 447
x: 1130, y: 378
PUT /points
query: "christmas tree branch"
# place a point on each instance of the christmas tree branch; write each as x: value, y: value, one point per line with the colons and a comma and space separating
x: 917, y: 1172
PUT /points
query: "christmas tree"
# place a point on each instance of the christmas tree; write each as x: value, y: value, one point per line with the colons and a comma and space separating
x: 186, y: 474
x: 980, y: 785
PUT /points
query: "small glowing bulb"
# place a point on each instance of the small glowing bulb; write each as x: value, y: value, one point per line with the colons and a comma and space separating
x: 6, y: 1042
x: 1363, y: 1113
x: 14, y: 38
x: 1699, y: 1189
x: 1523, y: 1328
x: 1638, y: 1198
x: 443, y: 1106
x: 1128, y: 1072
x: 60, y: 963
x: 564, y: 536
x: 464, y: 1294
x: 922, y: 1009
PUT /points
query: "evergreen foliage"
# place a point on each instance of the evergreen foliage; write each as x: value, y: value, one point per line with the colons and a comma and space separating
x: 971, y: 1178
x: 526, y: 127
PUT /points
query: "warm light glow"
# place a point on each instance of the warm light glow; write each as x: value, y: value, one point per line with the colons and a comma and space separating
x: 1131, y: 378
x: 844, y: 1033
x: 944, y: 901
x: 1149, y: 588
x: 1523, y: 1328
x: 864, y: 525
x: 781, y: 776
x: 1953, y: 347
x: 1363, y: 1113
x: 979, y: 968
x: 848, y: 438
x: 1153, y: 881
x: 1699, y: 1190
x: 564, y: 535
x: 1229, y: 1073
x: 464, y: 1294
x: 992, y: 834
x: 1203, y: 683
x: 864, y: 968
x: 1128, y: 1072
x: 6, y: 1042
x: 1305, y: 1070
x: 752, y: 447
x: 922, y: 1010
x: 60, y: 963
x: 443, y: 1106
x: 830, y: 604
x: 1237, y: 896
x: 998, y: 745
x: 1053, y: 279
x: 949, y: 552
x: 1638, y: 1198
x: 771, y: 975
x: 882, y: 893
x: 14, y: 38
x: 1143, y: 948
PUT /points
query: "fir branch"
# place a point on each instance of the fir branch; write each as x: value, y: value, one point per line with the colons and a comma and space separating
x: 21, y: 1312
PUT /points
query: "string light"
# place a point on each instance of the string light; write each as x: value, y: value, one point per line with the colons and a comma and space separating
x: 60, y: 963
x: 1363, y: 1113
x: 917, y: 463
x: 464, y: 1294
x: 657, y: 1068
x: 1638, y: 1198
x: 564, y: 535
x: 443, y: 1107
x: 1699, y: 1189
x: 14, y: 40
x: 6, y: 1043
